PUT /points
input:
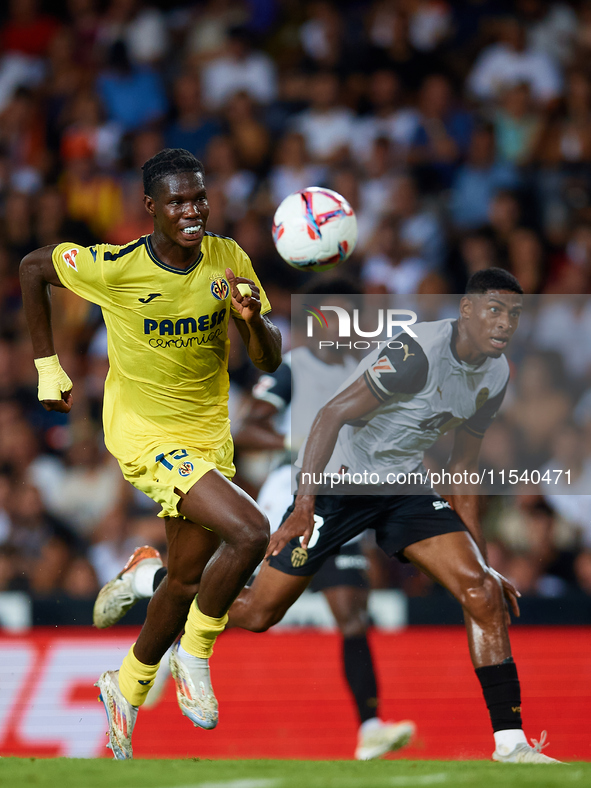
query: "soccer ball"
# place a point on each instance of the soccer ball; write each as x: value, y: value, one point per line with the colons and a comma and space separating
x: 314, y: 229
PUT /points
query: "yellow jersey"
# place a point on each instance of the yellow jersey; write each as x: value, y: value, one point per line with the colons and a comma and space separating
x: 167, y: 339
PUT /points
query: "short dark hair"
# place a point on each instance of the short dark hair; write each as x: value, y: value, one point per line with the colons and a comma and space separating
x: 493, y: 279
x: 169, y: 161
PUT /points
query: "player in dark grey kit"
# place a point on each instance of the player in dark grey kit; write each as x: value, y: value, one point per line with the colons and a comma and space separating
x: 395, y: 406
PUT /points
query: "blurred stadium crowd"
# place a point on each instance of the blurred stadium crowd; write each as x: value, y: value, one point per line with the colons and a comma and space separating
x: 459, y: 131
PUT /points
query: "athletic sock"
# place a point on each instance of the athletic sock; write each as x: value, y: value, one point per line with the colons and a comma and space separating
x: 360, y: 675
x: 135, y: 678
x: 370, y: 725
x: 201, y: 632
x: 502, y: 694
x: 159, y: 577
x: 507, y: 741
x: 143, y: 579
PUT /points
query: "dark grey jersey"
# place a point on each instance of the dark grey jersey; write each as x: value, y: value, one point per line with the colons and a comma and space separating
x: 423, y: 391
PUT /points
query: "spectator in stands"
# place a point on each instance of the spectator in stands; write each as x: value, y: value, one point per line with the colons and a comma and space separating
x: 391, y: 48
x: 375, y: 191
x: 387, y: 117
x: 420, y: 230
x: 476, y: 251
x: 22, y: 136
x: 236, y: 183
x: 540, y: 407
x: 92, y: 196
x: 53, y: 225
x: 251, y: 139
x: 141, y: 28
x: 527, y: 259
x: 190, y: 128
x: 442, y: 137
x: 322, y: 38
x: 478, y: 180
x: 327, y: 126
x: 517, y: 126
x: 209, y: 27
x: 84, y: 22
x: 504, y: 216
x: 293, y: 169
x: 86, y: 131
x: 240, y: 68
x: 390, y: 269
x: 18, y: 234
x: 551, y: 27
x: 512, y: 61
x: 24, y: 40
x: 132, y: 95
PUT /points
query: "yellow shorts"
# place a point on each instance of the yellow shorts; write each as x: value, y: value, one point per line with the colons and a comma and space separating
x: 160, y: 469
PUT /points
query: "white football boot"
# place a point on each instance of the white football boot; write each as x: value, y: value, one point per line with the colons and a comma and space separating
x: 121, y: 715
x: 525, y: 753
x: 383, y: 737
x: 119, y: 595
x: 194, y: 692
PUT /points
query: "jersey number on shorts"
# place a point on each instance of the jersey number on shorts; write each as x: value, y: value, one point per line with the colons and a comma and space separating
x: 318, y: 523
x: 180, y: 455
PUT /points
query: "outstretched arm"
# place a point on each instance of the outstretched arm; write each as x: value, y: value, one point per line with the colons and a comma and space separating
x: 261, y: 338
x: 37, y: 272
x: 355, y: 401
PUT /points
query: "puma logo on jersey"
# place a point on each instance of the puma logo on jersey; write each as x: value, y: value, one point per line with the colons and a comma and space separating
x: 151, y: 297
x: 382, y: 366
x: 406, y: 353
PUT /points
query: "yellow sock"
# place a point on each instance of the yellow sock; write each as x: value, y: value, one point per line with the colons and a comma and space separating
x: 136, y: 679
x: 201, y: 632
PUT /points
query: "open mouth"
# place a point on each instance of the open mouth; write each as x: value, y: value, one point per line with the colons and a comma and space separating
x: 499, y: 342
x: 193, y: 231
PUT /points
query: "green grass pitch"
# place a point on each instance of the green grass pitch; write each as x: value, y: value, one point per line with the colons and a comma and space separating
x: 195, y: 773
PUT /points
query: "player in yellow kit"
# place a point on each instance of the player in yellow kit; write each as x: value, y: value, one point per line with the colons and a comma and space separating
x: 167, y: 299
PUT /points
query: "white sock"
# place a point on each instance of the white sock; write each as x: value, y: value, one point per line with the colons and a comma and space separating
x: 199, y: 670
x: 191, y: 661
x: 143, y: 578
x: 370, y: 725
x: 506, y: 741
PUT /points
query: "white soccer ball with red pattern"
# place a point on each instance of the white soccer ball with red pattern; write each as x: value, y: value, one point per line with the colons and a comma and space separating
x: 314, y: 229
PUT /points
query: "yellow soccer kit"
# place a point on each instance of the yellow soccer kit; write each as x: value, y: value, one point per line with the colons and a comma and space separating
x: 165, y: 410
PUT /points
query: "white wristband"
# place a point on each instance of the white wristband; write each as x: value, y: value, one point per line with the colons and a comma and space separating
x: 53, y: 381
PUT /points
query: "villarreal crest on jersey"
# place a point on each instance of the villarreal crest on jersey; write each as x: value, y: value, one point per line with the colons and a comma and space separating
x: 167, y: 339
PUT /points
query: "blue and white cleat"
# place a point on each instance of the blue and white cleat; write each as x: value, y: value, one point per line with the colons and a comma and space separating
x: 194, y: 692
x: 121, y: 715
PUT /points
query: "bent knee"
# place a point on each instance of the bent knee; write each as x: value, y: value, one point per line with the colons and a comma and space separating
x: 482, y: 596
x: 255, y: 532
x: 262, y: 620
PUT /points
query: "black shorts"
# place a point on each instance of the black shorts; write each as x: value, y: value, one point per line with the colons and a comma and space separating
x: 347, y: 568
x: 398, y: 521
